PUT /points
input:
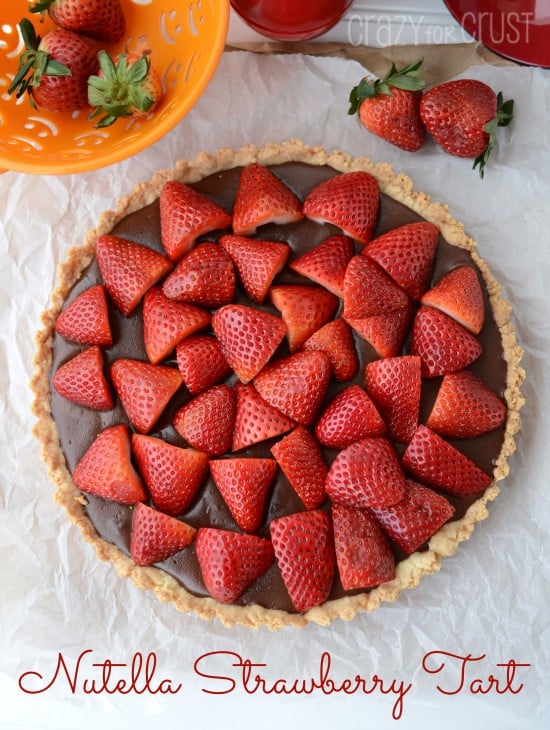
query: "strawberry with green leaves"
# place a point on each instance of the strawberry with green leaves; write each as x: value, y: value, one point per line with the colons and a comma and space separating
x: 102, y: 20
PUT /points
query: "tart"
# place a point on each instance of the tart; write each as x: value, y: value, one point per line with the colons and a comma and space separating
x: 277, y: 385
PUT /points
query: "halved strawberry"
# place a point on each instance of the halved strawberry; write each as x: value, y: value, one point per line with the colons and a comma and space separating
x: 304, y: 310
x: 304, y: 550
x: 296, y: 385
x: 156, y: 536
x: 326, y: 263
x: 201, y: 363
x: 407, y: 254
x: 363, y: 553
x: 128, y: 269
x: 106, y: 468
x: 369, y: 291
x: 166, y: 323
x: 248, y: 337
x: 459, y: 295
x: 244, y: 485
x: 144, y: 390
x: 207, y: 421
x: 205, y: 276
x: 417, y: 517
x: 186, y: 214
x: 366, y: 474
x: 349, y: 201
x: 256, y: 420
x: 384, y: 332
x: 300, y: 458
x: 257, y: 262
x: 435, y: 462
x: 444, y: 346
x: 173, y: 475
x: 82, y: 380
x: 86, y: 318
x: 230, y: 561
x: 262, y: 198
x: 349, y: 417
x: 394, y: 384
x: 335, y: 339
x: 465, y: 407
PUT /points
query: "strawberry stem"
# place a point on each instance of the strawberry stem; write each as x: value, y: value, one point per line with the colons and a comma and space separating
x: 504, y: 115
x: 407, y: 79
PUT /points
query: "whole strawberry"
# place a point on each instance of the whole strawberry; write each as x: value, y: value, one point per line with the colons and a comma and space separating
x: 102, y: 20
x: 463, y: 117
x: 390, y: 107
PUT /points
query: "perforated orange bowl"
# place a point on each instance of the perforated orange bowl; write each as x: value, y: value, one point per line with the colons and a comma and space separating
x: 186, y: 39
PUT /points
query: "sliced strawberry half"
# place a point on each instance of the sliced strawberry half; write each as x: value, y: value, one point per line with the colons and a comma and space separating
x: 304, y: 550
x: 230, y: 561
x: 459, y: 295
x: 326, y: 263
x: 386, y: 333
x: 173, y: 475
x: 262, y: 198
x: 86, y: 318
x: 106, y: 469
x: 156, y: 536
x: 335, y: 339
x: 207, y: 421
x: 349, y: 201
x: 304, y: 310
x: 349, y: 417
x: 201, y: 363
x: 369, y: 291
x: 144, y: 390
x: 257, y: 262
x: 435, y: 462
x: 82, y: 380
x: 244, y: 485
x: 363, y: 553
x: 248, y: 338
x: 300, y: 458
x: 128, y: 269
x: 256, y: 420
x: 205, y: 276
x: 186, y: 214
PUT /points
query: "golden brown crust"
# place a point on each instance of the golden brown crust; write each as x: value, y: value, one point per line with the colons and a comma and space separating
x: 409, y: 572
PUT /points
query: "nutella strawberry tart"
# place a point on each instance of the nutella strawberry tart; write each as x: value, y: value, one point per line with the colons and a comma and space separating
x: 277, y: 386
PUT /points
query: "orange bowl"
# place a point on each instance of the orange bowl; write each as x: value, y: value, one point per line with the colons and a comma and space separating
x: 186, y: 39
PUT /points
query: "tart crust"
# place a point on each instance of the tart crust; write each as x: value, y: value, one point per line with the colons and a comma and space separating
x: 410, y: 570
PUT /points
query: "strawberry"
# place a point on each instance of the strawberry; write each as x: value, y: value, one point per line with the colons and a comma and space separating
x: 417, y: 517
x: 366, y: 474
x: 102, y: 20
x: 384, y: 332
x: 296, y: 385
x: 106, y: 468
x: 349, y: 417
x: 326, y: 263
x: 173, y: 475
x: 248, y: 338
x: 207, y: 421
x: 256, y: 420
x: 407, y: 254
x: 230, y: 561
x: 335, y: 339
x: 201, y: 363
x: 262, y: 198
x: 186, y: 214
x: 244, y: 485
x: 257, y: 262
x: 458, y: 294
x: 54, y: 70
x: 205, y: 276
x: 363, y: 553
x: 144, y: 390
x: 349, y: 201
x: 156, y: 536
x: 128, y: 269
x: 463, y: 117
x: 394, y: 384
x: 465, y: 407
x: 304, y: 310
x: 300, y: 458
x: 434, y: 462
x: 390, y: 107
x: 166, y: 323
x: 86, y: 318
x: 82, y: 381
x: 444, y: 346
